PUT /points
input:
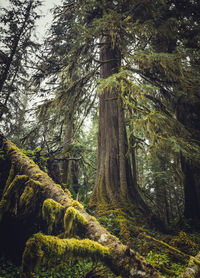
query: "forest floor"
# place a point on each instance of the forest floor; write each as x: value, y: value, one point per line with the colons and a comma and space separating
x: 168, y: 252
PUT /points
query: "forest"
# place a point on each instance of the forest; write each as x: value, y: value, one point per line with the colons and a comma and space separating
x: 100, y: 139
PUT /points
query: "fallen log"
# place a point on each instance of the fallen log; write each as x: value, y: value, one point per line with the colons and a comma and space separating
x: 193, y: 268
x: 40, y: 205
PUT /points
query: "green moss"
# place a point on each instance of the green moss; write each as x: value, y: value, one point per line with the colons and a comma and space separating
x: 12, y: 149
x: 76, y: 204
x: 26, y: 196
x: 17, y: 152
x: 51, y: 213
x: 73, y: 218
x: 124, y: 230
x: 10, y: 194
x: 38, y: 176
x: 31, y: 258
x: 51, y: 248
x: 10, y: 177
x: 184, y: 244
x: 68, y: 192
x: 36, y: 184
x: 194, y: 264
x: 18, y: 181
x: 93, y: 218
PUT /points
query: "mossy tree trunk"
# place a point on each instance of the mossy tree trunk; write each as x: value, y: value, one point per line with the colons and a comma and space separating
x: 31, y: 194
x: 115, y: 185
x: 193, y: 268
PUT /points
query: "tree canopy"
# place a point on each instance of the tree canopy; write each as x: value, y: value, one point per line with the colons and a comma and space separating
x: 109, y: 108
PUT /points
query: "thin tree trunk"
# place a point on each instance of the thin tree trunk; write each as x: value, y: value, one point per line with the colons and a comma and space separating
x: 13, y: 52
x: 66, y: 150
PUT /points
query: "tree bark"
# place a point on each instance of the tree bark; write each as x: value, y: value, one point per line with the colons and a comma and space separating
x: 115, y: 186
x: 188, y: 113
x: 193, y: 268
x: 19, y: 207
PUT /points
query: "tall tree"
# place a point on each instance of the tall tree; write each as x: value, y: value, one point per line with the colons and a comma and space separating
x: 115, y: 185
x: 188, y: 104
x: 97, y: 35
x: 17, y: 48
x: 168, y: 66
x: 179, y: 86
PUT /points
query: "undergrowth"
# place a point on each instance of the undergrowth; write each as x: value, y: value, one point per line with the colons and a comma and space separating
x: 74, y: 269
x: 169, y: 263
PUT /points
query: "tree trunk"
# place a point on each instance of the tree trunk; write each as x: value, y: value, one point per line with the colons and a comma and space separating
x: 21, y: 209
x: 54, y: 169
x: 66, y: 149
x: 16, y: 41
x: 193, y: 268
x: 188, y: 113
x: 115, y: 186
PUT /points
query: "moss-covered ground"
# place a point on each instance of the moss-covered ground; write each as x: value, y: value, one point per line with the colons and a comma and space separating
x: 72, y: 269
x: 168, y: 252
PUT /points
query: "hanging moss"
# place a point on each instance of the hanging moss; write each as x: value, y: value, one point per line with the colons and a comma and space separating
x: 12, y: 190
x: 10, y: 177
x: 32, y: 258
x: 36, y: 184
x: 50, y: 248
x: 72, y: 219
x: 18, y: 181
x: 26, y: 196
x: 52, y: 213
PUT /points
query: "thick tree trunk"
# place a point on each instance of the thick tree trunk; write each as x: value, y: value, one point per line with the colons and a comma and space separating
x: 115, y: 186
x: 188, y: 113
x: 21, y: 205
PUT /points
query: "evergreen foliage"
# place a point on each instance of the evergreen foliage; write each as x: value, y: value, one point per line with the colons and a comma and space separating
x: 147, y: 55
x: 17, y: 26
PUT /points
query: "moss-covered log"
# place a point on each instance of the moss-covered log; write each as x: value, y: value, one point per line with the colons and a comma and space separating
x: 193, y: 269
x: 30, y: 202
x: 53, y: 250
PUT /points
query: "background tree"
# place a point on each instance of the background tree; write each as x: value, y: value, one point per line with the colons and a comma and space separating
x: 152, y: 51
x: 136, y: 56
x: 178, y: 85
x: 17, y: 48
